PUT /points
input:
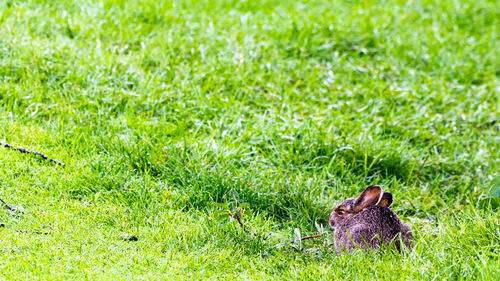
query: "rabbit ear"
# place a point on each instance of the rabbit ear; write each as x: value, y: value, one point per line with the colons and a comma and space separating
x: 386, y: 200
x: 371, y: 196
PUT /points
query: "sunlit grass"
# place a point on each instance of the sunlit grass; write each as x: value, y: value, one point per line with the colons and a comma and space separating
x: 170, y: 114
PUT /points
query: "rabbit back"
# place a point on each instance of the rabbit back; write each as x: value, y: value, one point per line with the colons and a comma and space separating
x: 369, y: 228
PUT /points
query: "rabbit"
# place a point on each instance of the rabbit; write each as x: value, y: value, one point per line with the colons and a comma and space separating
x: 366, y: 221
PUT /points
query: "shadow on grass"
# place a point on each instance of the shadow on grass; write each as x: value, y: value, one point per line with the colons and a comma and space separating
x: 202, y: 179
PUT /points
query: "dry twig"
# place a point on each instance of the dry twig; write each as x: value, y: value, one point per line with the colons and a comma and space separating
x: 23, y: 150
x: 266, y: 236
x: 309, y: 237
x: 33, y: 232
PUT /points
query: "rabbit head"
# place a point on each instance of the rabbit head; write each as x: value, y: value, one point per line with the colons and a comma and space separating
x: 367, y: 221
x: 372, y: 195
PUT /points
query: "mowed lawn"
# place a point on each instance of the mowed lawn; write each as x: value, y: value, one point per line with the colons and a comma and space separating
x: 173, y: 115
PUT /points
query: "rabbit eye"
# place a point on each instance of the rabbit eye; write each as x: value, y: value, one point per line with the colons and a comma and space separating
x: 341, y: 212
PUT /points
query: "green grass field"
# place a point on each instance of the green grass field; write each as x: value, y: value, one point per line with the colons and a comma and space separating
x: 171, y: 115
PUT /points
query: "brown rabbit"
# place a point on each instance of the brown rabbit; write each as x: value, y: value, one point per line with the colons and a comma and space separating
x: 367, y: 221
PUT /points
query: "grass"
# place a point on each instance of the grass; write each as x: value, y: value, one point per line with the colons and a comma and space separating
x: 169, y: 114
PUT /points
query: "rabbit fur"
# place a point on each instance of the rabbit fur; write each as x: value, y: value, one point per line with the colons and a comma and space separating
x: 367, y: 221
